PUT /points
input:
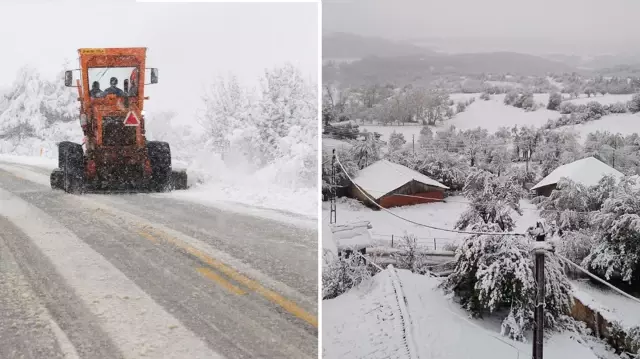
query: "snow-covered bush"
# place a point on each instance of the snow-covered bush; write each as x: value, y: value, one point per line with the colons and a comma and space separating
x: 617, y: 107
x: 485, y: 96
x: 566, y: 108
x: 342, y: 274
x: 511, y: 97
x: 634, y: 104
x: 410, y: 257
x: 460, y: 107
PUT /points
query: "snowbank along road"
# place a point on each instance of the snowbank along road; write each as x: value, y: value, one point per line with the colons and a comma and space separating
x: 148, y: 276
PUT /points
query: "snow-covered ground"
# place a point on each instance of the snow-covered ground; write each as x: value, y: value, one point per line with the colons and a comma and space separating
x: 439, y: 214
x: 373, y: 321
x: 494, y: 114
x: 626, y: 123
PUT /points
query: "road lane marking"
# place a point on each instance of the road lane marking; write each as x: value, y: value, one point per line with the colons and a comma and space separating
x: 208, y: 273
x: 224, y: 263
x: 268, y: 294
x: 147, y: 236
x: 153, y: 233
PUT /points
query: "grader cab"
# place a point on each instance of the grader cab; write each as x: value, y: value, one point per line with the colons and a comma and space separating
x: 117, y: 155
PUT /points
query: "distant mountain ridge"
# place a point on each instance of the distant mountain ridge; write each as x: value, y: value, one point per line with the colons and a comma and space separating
x: 381, y: 60
x: 342, y: 45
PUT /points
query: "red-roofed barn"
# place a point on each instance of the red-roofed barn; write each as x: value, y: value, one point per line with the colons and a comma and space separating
x: 392, y: 185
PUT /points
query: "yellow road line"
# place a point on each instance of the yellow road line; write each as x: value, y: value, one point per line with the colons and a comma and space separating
x: 147, y: 235
x: 220, y: 280
x: 268, y: 294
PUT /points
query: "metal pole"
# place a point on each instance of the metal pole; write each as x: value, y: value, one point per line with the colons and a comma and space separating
x: 392, y: 241
x: 332, y: 191
x: 414, y: 144
x: 538, y: 330
x: 434, y: 245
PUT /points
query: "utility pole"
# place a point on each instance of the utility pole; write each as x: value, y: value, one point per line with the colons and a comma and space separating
x: 332, y: 190
x: 538, y: 314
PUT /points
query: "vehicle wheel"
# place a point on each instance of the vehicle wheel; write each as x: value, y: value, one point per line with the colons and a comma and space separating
x: 71, y: 164
x: 160, y: 156
x: 179, y: 180
x: 57, y: 179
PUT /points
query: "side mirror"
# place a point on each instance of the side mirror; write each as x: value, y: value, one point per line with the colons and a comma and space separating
x: 68, y: 78
x: 154, y: 76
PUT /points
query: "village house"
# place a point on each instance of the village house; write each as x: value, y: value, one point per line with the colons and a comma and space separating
x: 587, y: 171
x: 392, y: 185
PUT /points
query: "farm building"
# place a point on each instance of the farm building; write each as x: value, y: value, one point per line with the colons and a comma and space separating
x: 587, y: 171
x: 392, y: 185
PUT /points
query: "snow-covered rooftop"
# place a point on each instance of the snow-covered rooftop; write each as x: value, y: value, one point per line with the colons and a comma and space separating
x: 383, y: 177
x: 587, y: 171
x: 353, y: 235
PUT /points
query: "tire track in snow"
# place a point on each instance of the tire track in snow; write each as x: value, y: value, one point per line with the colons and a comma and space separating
x: 134, y: 321
x: 408, y: 337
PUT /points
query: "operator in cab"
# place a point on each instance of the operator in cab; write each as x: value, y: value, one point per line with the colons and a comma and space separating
x: 113, y: 89
x: 95, y: 89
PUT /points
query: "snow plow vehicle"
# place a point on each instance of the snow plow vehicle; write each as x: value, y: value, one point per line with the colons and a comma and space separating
x: 116, y: 153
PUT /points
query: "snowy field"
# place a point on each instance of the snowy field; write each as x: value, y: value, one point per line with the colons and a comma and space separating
x: 626, y: 123
x: 494, y: 114
x: 367, y: 322
x: 443, y: 215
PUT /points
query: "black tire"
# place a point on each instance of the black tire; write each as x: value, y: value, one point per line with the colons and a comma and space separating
x: 57, y: 179
x: 71, y: 164
x: 160, y: 156
x: 179, y: 180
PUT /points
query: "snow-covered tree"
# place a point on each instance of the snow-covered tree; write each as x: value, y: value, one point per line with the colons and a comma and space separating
x: 495, y: 273
x: 492, y: 199
x: 396, y: 141
x: 342, y: 274
x: 634, y: 104
x: 368, y: 151
x: 227, y: 107
x: 555, y: 99
x: 616, y: 254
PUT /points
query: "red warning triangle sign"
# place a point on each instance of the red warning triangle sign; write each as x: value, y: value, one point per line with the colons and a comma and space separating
x: 131, y: 119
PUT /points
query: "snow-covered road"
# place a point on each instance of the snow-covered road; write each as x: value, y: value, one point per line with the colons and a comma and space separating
x: 144, y: 275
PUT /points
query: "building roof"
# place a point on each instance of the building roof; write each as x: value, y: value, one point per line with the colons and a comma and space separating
x: 587, y: 171
x: 353, y: 235
x: 383, y: 177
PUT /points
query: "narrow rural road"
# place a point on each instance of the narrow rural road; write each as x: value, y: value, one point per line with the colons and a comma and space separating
x: 148, y: 276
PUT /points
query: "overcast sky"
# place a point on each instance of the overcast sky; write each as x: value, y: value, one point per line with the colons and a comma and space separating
x: 190, y: 43
x: 584, y: 26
